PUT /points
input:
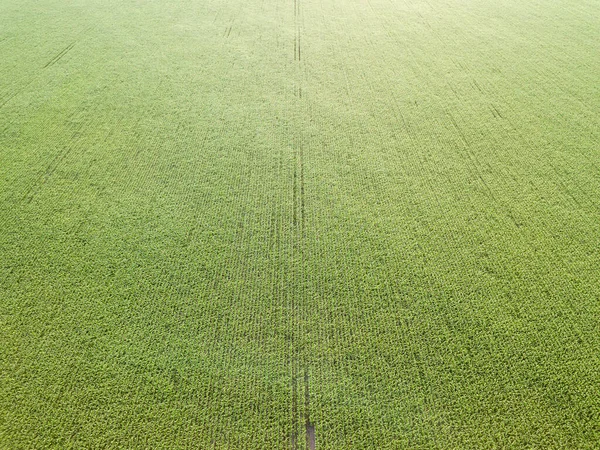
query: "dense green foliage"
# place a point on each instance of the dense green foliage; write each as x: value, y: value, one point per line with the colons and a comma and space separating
x: 226, y: 224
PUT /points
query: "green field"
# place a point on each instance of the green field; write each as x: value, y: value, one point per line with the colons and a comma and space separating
x: 298, y: 224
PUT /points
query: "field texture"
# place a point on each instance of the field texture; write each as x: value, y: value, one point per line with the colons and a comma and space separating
x: 299, y: 224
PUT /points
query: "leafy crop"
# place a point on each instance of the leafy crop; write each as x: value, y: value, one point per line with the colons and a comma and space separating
x: 303, y: 224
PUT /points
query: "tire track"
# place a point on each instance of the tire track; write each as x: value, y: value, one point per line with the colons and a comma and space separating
x: 300, y: 355
x: 12, y: 95
x: 60, y: 54
x: 85, y: 32
x: 43, y: 179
